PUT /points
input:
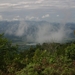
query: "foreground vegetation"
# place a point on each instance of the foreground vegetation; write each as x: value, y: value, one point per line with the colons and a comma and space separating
x: 45, y: 59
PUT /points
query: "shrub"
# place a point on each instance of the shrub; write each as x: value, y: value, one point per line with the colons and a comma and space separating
x: 70, y: 52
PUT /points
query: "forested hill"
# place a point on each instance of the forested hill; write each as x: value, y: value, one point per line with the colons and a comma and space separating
x: 33, y: 31
x: 44, y: 59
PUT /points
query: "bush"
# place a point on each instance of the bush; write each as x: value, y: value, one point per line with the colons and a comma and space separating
x: 70, y: 52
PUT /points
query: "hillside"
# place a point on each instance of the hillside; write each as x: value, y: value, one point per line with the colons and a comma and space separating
x: 33, y: 31
x: 45, y: 59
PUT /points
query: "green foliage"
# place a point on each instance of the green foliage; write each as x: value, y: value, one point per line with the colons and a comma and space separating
x: 29, y: 70
x: 7, y: 53
x: 50, y: 71
x: 45, y: 59
x: 70, y: 52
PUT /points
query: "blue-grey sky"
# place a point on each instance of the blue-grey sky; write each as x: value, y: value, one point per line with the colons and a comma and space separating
x: 49, y: 10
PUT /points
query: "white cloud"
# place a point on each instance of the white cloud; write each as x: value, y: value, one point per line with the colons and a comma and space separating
x: 39, y: 1
x: 15, y: 19
x: 32, y: 4
x: 45, y: 16
x: 31, y: 18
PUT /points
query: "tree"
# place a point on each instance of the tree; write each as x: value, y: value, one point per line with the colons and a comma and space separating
x: 70, y: 52
x: 7, y: 52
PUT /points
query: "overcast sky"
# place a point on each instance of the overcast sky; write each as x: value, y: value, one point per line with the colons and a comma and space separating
x: 49, y: 10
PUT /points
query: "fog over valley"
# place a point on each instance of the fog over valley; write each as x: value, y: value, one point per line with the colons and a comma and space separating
x: 37, y: 31
x: 38, y: 21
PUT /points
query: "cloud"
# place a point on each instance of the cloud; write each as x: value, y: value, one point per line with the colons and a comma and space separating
x: 40, y: 32
x: 22, y: 28
x: 45, y: 16
x: 50, y: 33
x: 15, y: 19
x: 17, y: 29
x: 57, y: 15
x: 32, y: 7
x: 39, y: 1
x: 1, y: 18
x: 32, y: 4
x: 31, y: 18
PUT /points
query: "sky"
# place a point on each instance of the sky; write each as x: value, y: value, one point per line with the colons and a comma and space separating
x: 38, y: 10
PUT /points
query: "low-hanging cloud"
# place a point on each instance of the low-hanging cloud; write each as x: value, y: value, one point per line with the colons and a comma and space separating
x: 22, y: 28
x: 49, y: 33
x: 45, y: 16
x: 40, y: 32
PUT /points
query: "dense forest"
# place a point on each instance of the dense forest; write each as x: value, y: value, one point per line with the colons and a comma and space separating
x: 45, y: 59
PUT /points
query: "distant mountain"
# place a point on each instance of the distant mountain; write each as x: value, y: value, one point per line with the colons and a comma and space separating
x: 30, y: 31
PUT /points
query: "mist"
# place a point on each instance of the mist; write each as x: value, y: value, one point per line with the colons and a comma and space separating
x: 40, y: 32
x: 49, y: 33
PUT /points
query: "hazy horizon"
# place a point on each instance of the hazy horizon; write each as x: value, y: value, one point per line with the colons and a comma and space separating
x: 59, y: 11
x: 38, y: 10
x: 39, y: 32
